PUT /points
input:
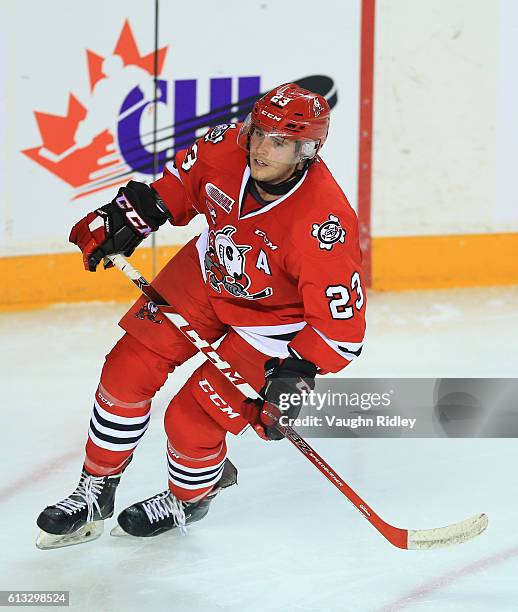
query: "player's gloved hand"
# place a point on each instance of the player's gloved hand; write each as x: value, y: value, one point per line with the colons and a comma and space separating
x: 121, y: 225
x: 285, y: 380
x: 252, y: 411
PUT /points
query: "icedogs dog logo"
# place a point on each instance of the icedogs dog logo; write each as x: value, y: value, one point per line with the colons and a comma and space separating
x: 225, y: 265
x: 149, y: 311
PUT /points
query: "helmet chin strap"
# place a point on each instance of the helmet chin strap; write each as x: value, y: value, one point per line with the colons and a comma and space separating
x: 284, y: 186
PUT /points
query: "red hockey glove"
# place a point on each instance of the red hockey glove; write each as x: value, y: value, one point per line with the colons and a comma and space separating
x: 260, y: 414
x: 121, y: 225
x: 285, y: 381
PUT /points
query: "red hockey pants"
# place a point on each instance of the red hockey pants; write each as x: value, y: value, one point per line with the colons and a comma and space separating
x: 200, y: 414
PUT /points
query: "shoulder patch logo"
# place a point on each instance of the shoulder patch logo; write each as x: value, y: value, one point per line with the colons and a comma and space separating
x: 218, y: 133
x: 218, y: 196
x: 328, y: 233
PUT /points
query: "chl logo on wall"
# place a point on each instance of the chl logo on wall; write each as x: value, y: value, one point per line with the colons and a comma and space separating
x: 108, y: 139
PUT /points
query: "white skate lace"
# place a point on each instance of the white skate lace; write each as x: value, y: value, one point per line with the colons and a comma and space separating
x: 164, y: 505
x: 88, y: 491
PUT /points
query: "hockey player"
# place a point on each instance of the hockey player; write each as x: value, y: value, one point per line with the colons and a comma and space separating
x: 277, y: 274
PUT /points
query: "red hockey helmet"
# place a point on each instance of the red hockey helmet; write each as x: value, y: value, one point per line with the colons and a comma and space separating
x: 291, y: 112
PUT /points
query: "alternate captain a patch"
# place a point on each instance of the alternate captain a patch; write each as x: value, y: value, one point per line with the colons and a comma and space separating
x: 328, y: 233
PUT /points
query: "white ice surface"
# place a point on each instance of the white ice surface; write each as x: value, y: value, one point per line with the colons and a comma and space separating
x: 284, y: 538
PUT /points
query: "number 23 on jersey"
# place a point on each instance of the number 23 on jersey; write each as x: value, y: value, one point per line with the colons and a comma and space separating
x: 340, y: 298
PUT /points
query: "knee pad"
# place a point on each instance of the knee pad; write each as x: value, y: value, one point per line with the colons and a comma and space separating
x: 132, y: 372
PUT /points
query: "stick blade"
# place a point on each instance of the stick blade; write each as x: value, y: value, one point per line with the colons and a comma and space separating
x: 425, y: 539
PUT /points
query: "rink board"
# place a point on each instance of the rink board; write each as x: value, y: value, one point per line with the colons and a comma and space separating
x: 201, y: 69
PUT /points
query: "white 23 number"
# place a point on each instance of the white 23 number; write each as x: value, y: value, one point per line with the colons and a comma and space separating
x: 190, y: 158
x: 279, y: 100
x: 340, y: 297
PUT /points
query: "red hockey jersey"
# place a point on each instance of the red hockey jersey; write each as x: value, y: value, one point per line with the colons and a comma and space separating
x: 285, y: 275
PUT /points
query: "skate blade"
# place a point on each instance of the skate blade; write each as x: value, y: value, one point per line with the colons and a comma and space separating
x: 87, y: 533
x: 118, y: 532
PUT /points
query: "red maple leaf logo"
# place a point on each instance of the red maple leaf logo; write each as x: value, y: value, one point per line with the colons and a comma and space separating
x: 61, y: 152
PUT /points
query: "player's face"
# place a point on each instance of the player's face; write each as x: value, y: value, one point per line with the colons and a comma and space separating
x: 271, y: 157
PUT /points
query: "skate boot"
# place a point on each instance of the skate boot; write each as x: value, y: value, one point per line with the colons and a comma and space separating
x: 164, y: 511
x: 79, y: 518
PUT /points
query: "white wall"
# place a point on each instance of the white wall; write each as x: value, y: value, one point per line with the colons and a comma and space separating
x: 507, y: 113
x: 437, y: 91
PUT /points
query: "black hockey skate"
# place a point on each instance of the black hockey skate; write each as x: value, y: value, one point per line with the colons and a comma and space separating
x: 164, y: 511
x: 80, y: 517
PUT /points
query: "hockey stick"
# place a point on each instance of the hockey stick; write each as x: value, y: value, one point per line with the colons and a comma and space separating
x: 417, y: 539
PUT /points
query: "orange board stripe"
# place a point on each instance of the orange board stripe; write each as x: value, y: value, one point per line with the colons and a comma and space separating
x: 398, y: 263
x: 35, y: 281
x: 430, y: 262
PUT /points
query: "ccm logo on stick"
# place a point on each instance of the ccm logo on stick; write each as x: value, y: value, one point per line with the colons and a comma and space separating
x: 217, y: 400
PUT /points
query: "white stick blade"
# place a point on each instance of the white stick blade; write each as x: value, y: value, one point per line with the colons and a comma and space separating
x: 424, y: 539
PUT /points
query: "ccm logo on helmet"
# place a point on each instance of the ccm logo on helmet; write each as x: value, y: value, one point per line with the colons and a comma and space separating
x: 270, y: 115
